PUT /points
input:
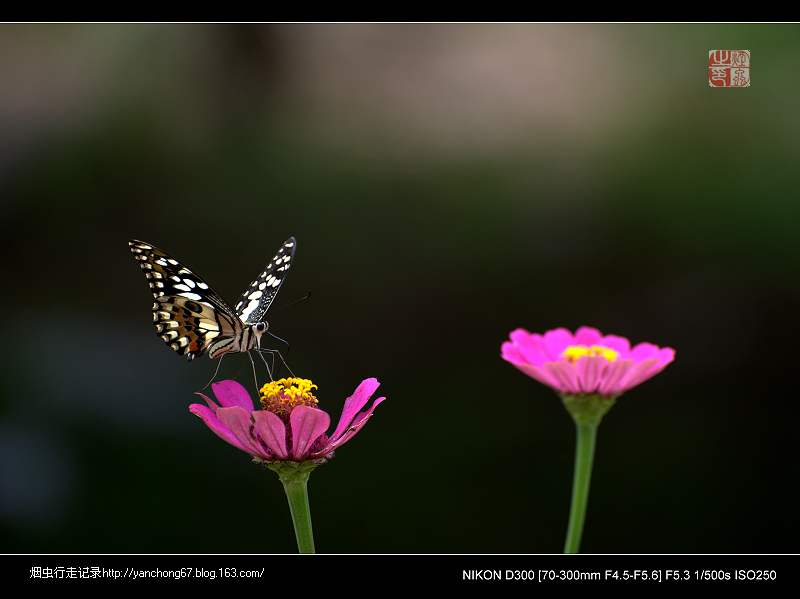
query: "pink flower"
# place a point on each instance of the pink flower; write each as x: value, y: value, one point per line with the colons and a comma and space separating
x: 586, y: 362
x: 289, y: 427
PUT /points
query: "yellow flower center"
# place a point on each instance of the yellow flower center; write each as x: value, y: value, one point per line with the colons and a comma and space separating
x: 573, y: 352
x: 280, y: 397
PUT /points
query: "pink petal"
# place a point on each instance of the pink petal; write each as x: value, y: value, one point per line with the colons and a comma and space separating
x: 665, y: 356
x: 239, y: 423
x: 643, y: 371
x: 529, y: 348
x: 619, y: 344
x: 556, y: 341
x: 211, y: 419
x: 272, y: 431
x: 307, y: 425
x: 644, y: 351
x: 614, y: 374
x: 211, y: 403
x: 354, y: 403
x: 590, y: 371
x: 587, y: 336
x: 510, y: 353
x: 231, y: 393
x: 538, y: 374
x: 565, y: 376
x: 358, y: 422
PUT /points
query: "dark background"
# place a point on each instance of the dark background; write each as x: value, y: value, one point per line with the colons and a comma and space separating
x: 446, y: 184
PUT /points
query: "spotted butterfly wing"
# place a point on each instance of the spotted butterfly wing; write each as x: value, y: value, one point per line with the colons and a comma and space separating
x: 192, y: 318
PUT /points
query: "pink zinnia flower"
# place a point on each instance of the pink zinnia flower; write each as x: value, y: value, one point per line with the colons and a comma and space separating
x: 586, y: 362
x: 289, y: 426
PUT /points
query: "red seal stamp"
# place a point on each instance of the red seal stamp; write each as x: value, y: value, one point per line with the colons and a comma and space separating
x: 729, y: 68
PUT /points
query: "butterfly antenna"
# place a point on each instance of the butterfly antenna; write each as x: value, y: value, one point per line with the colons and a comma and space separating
x: 305, y: 297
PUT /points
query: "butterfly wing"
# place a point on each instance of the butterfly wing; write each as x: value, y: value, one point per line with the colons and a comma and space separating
x: 256, y: 300
x: 189, y: 315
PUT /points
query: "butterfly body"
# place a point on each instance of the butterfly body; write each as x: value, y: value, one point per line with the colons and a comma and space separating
x: 192, y: 318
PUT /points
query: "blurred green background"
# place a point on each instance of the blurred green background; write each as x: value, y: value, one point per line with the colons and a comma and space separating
x: 446, y: 184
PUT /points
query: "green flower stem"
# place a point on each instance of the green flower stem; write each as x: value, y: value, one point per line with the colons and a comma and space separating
x: 294, y: 477
x: 584, y: 458
x: 297, y: 493
x: 587, y: 411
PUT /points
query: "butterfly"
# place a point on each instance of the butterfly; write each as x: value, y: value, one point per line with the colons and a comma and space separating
x: 192, y: 318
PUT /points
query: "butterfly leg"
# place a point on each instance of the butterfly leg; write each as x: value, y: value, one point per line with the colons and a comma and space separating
x: 255, y: 376
x: 215, y: 372
x: 271, y: 368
